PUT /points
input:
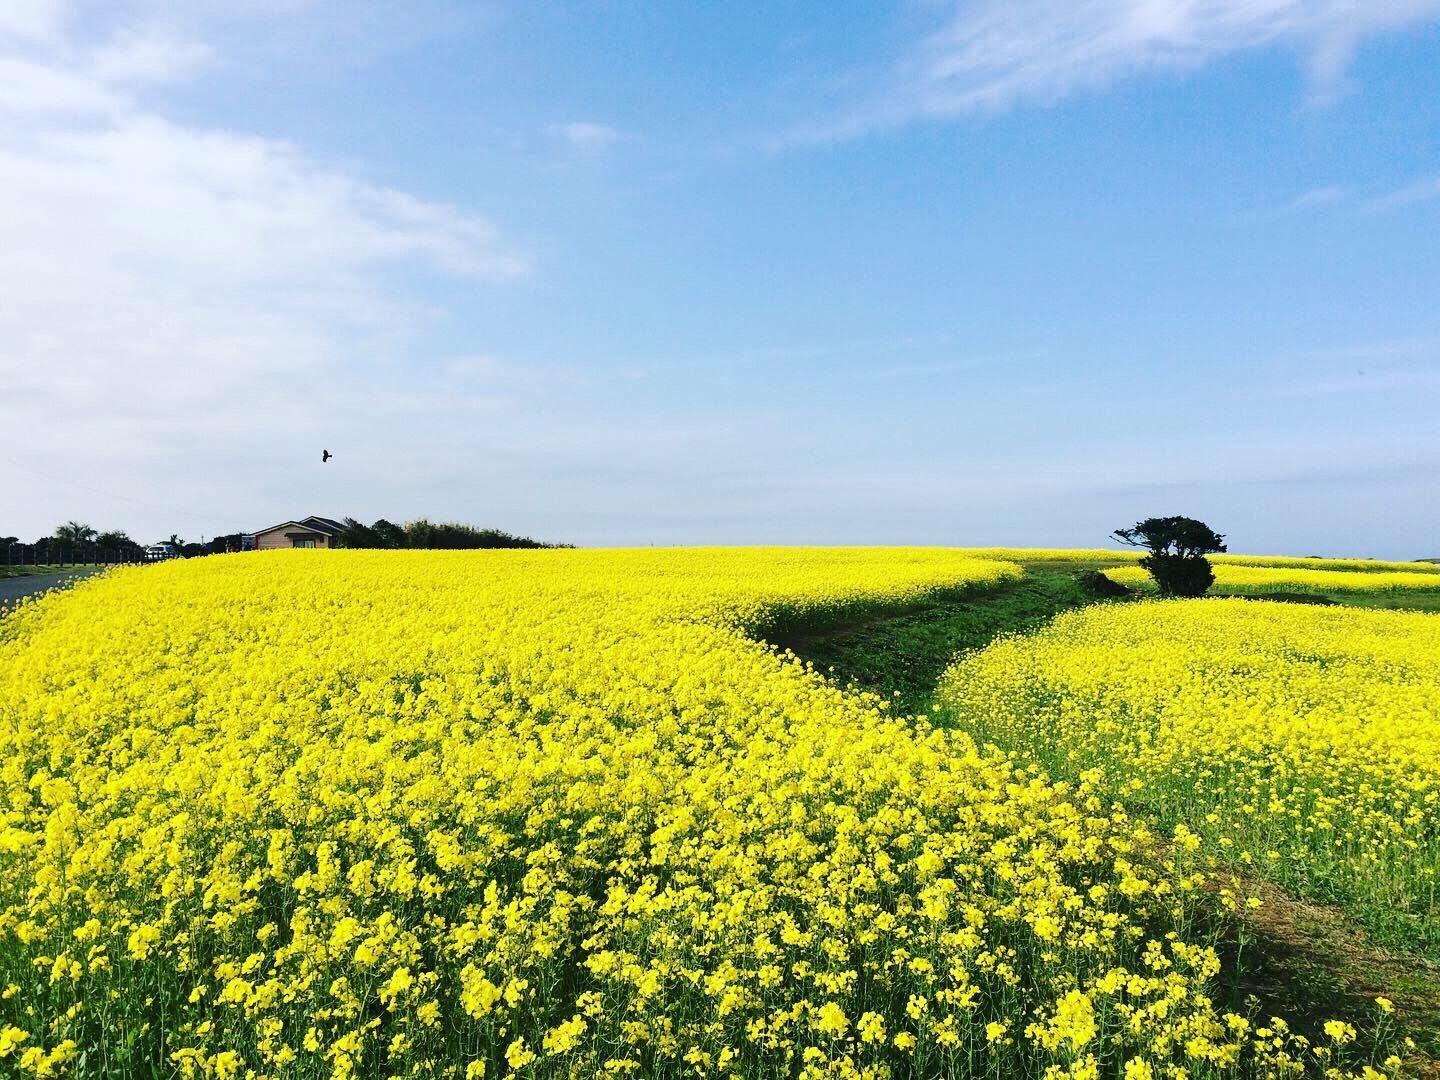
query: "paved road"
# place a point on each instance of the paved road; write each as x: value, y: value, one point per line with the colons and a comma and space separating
x: 17, y: 588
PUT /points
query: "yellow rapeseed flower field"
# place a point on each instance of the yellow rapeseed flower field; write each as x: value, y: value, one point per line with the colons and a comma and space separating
x: 1369, y: 566
x: 1056, y: 555
x: 1303, y: 742
x: 1287, y: 562
x: 1241, y: 579
x: 558, y: 813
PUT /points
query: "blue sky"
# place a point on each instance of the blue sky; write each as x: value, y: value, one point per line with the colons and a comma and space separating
x: 989, y: 272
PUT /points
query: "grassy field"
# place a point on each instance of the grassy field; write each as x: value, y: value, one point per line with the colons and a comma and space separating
x: 26, y: 571
x: 901, y: 656
x: 568, y: 813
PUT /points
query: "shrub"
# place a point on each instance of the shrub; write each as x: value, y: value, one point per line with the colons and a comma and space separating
x: 1096, y: 583
x: 1180, y: 575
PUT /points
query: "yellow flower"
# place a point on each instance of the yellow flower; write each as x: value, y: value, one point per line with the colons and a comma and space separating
x: 518, y: 1055
x: 871, y: 1027
x: 307, y: 809
x: 399, y: 982
x: 142, y: 939
x: 10, y: 1038
x: 832, y: 1019
x: 1339, y: 1031
x: 564, y: 1037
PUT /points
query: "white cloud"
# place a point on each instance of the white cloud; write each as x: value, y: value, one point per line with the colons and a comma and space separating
x: 1408, y: 381
x: 994, y: 54
x: 1419, y: 191
x: 588, y: 135
x: 31, y: 20
x: 478, y: 367
x: 1315, y: 197
x: 221, y: 208
x: 184, y: 304
x: 30, y: 88
x: 148, y: 55
x: 1335, y: 195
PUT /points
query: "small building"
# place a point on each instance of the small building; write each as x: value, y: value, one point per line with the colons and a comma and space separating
x: 310, y: 532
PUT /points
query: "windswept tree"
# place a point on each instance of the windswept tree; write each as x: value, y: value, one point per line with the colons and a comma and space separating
x: 1177, y: 548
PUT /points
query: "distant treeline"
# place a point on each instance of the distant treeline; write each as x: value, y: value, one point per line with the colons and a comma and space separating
x: 430, y: 534
x: 77, y: 540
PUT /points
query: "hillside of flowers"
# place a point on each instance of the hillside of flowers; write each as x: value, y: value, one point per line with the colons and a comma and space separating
x: 483, y: 814
x: 1093, y: 556
x: 1240, y: 579
x: 1302, y: 743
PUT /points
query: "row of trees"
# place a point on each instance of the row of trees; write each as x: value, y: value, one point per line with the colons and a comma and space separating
x: 74, y: 533
x: 429, y: 534
x: 75, y: 537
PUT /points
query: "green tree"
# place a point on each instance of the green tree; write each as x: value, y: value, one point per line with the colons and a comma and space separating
x: 424, y: 533
x: 1177, y: 548
x: 388, y: 533
x: 356, y: 534
x: 117, y: 542
x: 74, y: 532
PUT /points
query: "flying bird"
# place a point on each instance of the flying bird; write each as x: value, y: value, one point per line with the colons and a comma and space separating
x: 325, y: 456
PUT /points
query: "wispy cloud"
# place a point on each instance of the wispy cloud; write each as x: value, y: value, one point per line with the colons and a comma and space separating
x: 1372, y: 382
x: 994, y: 54
x: 1410, y: 365
x: 1315, y: 198
x: 589, y: 134
x: 1334, y: 195
x: 1419, y: 191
